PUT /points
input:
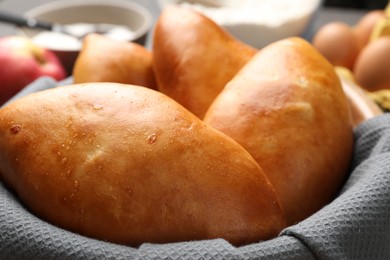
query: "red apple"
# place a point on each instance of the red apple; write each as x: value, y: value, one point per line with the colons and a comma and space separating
x: 21, y: 62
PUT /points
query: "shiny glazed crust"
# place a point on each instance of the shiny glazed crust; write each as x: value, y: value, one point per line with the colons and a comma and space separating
x: 288, y: 109
x: 194, y: 58
x: 129, y: 165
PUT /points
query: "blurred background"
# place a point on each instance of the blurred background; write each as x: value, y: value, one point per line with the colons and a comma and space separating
x: 358, y: 4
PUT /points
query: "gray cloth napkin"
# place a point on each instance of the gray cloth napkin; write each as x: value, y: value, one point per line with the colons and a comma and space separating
x: 356, y: 225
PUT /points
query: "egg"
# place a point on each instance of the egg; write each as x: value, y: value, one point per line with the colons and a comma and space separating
x: 364, y: 26
x: 338, y: 43
x: 372, y: 68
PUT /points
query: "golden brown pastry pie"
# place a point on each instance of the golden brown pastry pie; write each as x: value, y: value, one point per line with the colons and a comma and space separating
x: 129, y: 165
x: 194, y: 58
x: 103, y: 59
x: 288, y: 109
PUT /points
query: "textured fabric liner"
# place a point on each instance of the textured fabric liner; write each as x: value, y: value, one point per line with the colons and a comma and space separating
x: 356, y: 225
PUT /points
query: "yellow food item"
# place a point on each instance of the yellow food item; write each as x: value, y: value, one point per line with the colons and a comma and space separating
x: 382, y: 98
x: 381, y: 28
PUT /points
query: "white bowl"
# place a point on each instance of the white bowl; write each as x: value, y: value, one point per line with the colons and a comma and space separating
x: 117, y: 12
x: 256, y: 22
